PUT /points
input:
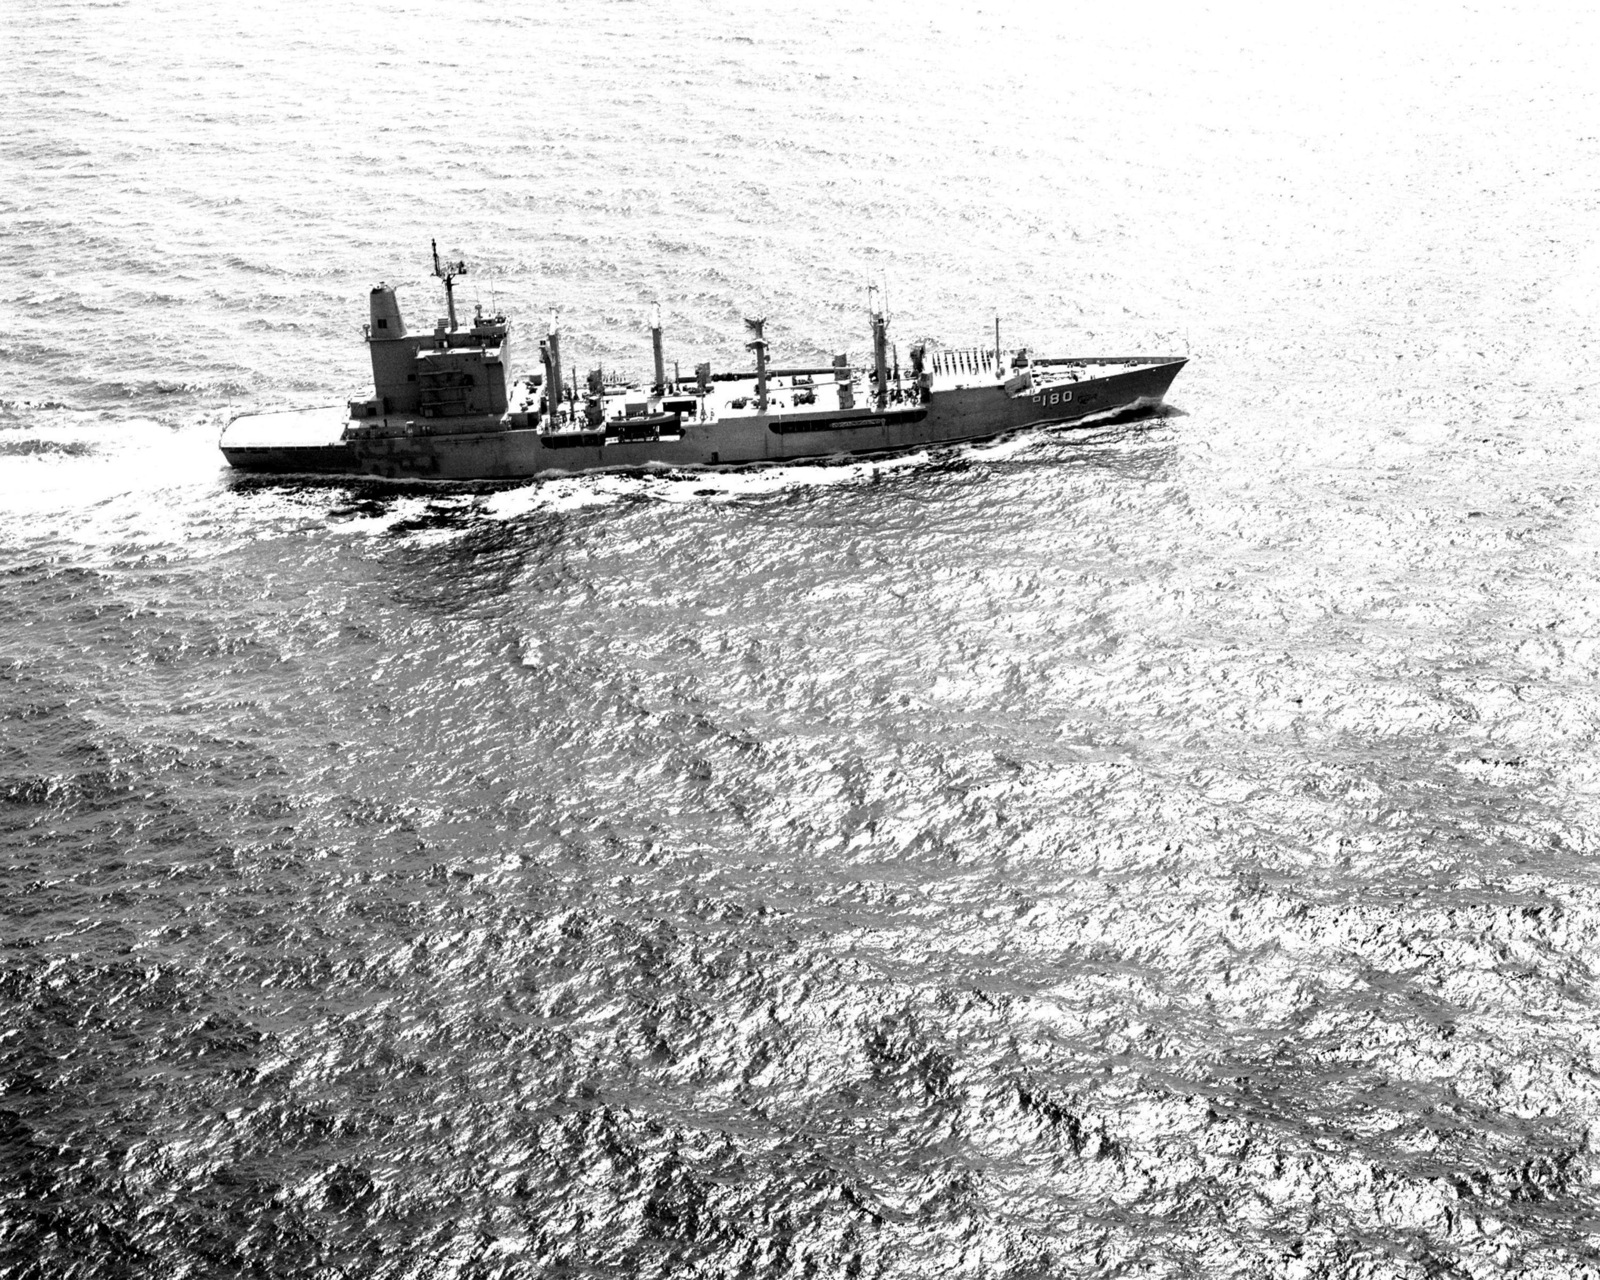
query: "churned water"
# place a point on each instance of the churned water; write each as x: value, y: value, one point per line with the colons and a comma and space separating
x: 1167, y: 850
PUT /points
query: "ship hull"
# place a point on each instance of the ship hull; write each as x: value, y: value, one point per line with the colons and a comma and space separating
x: 945, y: 417
x: 332, y: 459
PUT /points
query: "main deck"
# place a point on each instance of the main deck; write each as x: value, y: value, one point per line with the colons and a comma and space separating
x: 720, y: 422
x: 827, y: 390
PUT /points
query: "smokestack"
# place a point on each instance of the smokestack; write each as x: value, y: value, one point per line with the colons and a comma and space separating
x: 386, y: 322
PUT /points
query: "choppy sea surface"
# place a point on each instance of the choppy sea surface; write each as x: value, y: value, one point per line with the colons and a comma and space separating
x: 1164, y: 850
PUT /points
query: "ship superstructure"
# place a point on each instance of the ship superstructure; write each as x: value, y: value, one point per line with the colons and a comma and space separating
x: 447, y: 405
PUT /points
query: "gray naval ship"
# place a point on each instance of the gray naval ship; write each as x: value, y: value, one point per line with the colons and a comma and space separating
x: 447, y: 406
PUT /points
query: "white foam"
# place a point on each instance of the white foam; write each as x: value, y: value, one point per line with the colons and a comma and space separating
x: 573, y: 493
x: 401, y: 510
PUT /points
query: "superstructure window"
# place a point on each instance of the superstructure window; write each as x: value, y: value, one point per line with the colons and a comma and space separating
x: 382, y: 323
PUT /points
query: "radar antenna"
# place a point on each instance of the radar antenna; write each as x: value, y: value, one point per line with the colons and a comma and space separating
x: 448, y: 272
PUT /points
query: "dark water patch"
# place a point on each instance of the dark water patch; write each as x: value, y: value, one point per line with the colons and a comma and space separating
x: 45, y: 448
x: 144, y: 389
x: 464, y: 573
x: 362, y: 509
x: 68, y: 793
x: 369, y: 495
x: 18, y: 408
x: 439, y: 516
x: 46, y: 585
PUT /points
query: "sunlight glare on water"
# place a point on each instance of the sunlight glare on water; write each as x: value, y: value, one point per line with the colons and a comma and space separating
x: 1155, y: 850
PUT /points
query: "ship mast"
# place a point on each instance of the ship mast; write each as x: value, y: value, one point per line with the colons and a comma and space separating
x: 448, y: 272
x: 659, y: 386
x: 758, y: 344
x: 880, y: 342
x: 550, y: 357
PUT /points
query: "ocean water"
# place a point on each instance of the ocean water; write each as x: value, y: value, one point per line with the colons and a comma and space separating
x: 1164, y: 850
